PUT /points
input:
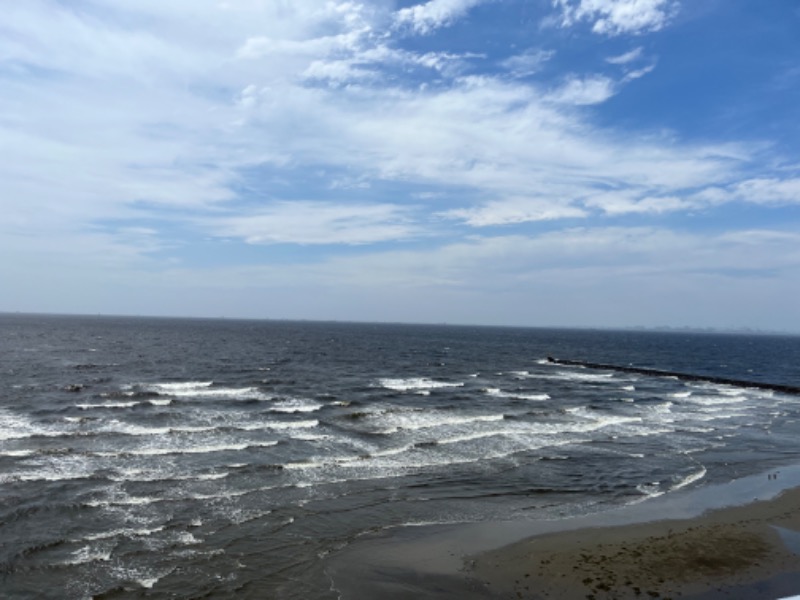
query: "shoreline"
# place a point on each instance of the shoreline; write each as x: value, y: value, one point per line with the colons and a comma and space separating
x: 735, y: 540
x: 729, y: 552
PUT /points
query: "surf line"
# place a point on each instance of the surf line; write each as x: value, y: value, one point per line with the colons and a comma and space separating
x: 778, y: 387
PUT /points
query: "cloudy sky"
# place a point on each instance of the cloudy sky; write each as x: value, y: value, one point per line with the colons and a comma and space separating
x: 521, y: 162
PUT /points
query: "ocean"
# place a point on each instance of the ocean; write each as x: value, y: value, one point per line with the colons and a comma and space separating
x: 189, y: 458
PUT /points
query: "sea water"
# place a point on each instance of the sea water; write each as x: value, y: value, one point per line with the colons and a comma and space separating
x: 230, y: 459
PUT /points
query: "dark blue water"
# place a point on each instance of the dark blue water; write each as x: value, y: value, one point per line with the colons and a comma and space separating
x: 229, y: 459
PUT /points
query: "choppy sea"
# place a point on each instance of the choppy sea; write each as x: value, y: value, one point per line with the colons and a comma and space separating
x: 229, y: 459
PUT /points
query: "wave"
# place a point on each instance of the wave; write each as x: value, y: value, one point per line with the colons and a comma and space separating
x: 516, y: 395
x: 416, y: 383
x: 125, y: 532
x: 18, y: 453
x: 276, y: 425
x: 689, y: 479
x: 178, y: 388
x: 295, y: 405
x: 89, y: 406
x: 571, y: 376
x: 469, y: 437
x: 717, y: 400
x: 125, y: 404
x: 428, y: 420
x: 140, y: 475
x: 186, y: 449
x: 198, y: 389
x: 520, y: 374
x: 88, y: 555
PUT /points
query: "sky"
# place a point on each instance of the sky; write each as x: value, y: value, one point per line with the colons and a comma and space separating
x: 580, y: 163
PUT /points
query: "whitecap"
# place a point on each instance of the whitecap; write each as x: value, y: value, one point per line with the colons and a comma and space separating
x: 569, y: 376
x: 516, y: 395
x: 689, y: 479
x: 428, y: 420
x: 89, y: 406
x: 178, y: 388
x: 295, y: 405
x: 87, y: 555
x: 416, y: 383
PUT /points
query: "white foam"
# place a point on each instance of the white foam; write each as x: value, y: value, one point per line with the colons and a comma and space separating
x: 432, y: 419
x: 204, y: 389
x: 717, y: 400
x: 89, y: 406
x: 87, y: 555
x: 248, y: 393
x: 147, y: 451
x: 416, y: 383
x: 127, y: 532
x: 516, y: 395
x: 599, y: 420
x: 177, y: 388
x: 650, y: 490
x: 279, y: 425
x: 469, y: 437
x: 17, y: 453
x: 116, y: 426
x: 310, y: 437
x: 295, y: 405
x: 570, y: 376
x: 147, y: 582
x: 690, y: 479
x: 187, y: 538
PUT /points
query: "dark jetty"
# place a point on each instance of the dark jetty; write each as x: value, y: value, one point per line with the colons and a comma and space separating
x: 786, y: 389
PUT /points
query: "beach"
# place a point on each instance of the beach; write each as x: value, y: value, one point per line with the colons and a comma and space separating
x: 658, y: 549
x: 730, y: 553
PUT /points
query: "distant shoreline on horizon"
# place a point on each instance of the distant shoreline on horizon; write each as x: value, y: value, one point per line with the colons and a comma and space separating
x: 677, y: 329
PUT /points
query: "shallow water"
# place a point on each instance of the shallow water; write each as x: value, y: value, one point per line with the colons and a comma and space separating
x: 187, y: 457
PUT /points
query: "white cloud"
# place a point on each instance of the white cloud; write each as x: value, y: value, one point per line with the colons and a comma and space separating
x: 624, y: 59
x: 631, y: 202
x: 528, y: 62
x: 637, y: 73
x: 584, y: 91
x: 425, y: 18
x: 303, y: 222
x: 615, y: 17
x: 178, y: 115
x: 515, y: 210
x: 576, y: 277
x: 769, y: 191
x: 120, y: 138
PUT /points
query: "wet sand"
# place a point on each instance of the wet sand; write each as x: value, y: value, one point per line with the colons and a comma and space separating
x: 740, y: 552
x: 735, y: 540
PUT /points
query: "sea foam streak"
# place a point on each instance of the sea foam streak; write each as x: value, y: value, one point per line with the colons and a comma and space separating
x: 518, y: 395
x: 295, y: 405
x: 429, y: 420
x: 415, y: 383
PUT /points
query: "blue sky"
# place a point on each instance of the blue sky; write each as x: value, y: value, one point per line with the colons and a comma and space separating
x: 520, y: 162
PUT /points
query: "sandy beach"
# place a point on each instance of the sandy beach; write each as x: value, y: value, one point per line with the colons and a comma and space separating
x: 737, y: 540
x: 740, y: 552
